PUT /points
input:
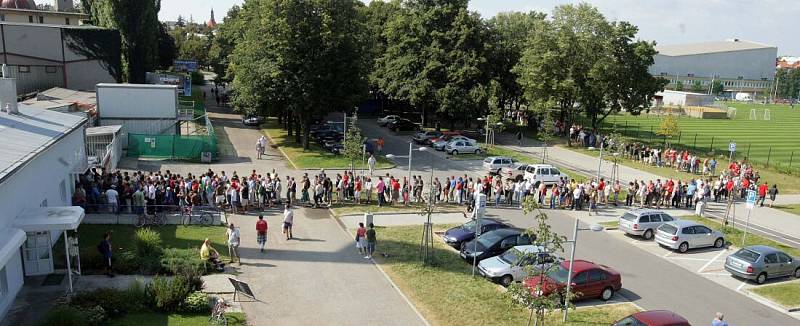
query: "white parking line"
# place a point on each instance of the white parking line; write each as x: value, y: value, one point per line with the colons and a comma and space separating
x: 667, y: 254
x: 715, y: 274
x: 689, y: 258
x: 712, y: 260
x: 741, y: 286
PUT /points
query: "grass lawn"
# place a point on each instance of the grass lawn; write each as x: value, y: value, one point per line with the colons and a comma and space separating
x: 353, y: 209
x: 314, y: 158
x: 172, y: 236
x: 447, y: 294
x: 784, y: 293
x: 734, y: 236
x: 610, y: 224
x: 160, y: 319
x: 793, y: 208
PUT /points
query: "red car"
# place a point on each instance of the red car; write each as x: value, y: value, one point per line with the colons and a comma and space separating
x: 589, y: 280
x: 653, y: 318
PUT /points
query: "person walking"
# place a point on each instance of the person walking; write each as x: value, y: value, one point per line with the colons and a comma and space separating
x: 371, y: 240
x: 380, y: 143
x: 105, y: 249
x: 762, y: 193
x: 261, y: 231
x: 773, y: 192
x: 371, y: 162
x: 288, y: 221
x: 718, y: 320
x: 361, y: 239
x: 519, y: 138
x: 233, y: 243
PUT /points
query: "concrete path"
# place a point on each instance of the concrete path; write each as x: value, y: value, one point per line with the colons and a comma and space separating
x: 318, y: 278
x: 351, y: 221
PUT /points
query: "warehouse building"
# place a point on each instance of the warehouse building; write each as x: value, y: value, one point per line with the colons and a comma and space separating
x: 742, y: 66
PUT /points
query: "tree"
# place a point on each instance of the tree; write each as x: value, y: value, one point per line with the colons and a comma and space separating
x: 679, y: 86
x: 138, y: 26
x: 229, y: 33
x: 717, y: 87
x: 668, y: 127
x: 167, y: 51
x: 697, y: 87
x: 353, y: 144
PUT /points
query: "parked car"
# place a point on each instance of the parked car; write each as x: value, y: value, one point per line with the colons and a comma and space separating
x: 653, y: 318
x: 402, y: 125
x: 493, y: 243
x: 515, y: 264
x: 515, y: 172
x: 546, y: 173
x: 387, y: 119
x: 759, y: 263
x: 444, y: 135
x: 495, y: 164
x: 329, y: 135
x: 424, y: 137
x: 318, y: 128
x: 462, y: 146
x: 643, y: 222
x: 466, y: 232
x: 683, y: 235
x: 252, y: 120
x: 441, y: 143
x: 589, y: 280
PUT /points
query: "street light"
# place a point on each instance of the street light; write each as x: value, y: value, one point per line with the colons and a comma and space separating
x: 574, y: 241
x: 410, y: 152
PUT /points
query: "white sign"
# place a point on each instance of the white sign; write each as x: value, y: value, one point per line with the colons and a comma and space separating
x: 751, y: 199
x: 732, y: 147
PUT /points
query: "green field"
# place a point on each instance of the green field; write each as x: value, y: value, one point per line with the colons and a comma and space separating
x: 759, y: 140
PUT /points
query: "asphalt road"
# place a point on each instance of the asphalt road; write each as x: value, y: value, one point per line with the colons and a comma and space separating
x: 648, y: 280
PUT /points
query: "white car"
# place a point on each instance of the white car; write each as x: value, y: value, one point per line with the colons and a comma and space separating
x: 387, y: 119
x: 683, y: 235
x: 515, y: 264
x: 495, y: 164
x: 546, y: 173
x: 454, y: 147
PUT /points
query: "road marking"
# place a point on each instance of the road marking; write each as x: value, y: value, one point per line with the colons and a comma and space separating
x: 712, y: 260
x: 741, y: 286
x: 715, y: 274
x: 688, y: 258
x: 669, y: 252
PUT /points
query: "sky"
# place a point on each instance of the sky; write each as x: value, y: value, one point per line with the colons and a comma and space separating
x: 774, y: 22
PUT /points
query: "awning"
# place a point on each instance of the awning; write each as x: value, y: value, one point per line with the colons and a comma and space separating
x: 50, y: 219
x: 12, y: 240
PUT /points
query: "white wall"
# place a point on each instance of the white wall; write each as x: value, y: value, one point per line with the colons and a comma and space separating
x: 15, y: 278
x: 120, y: 101
x: 750, y: 64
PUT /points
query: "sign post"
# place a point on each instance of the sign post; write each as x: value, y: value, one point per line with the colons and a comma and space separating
x: 731, y: 149
x: 478, y: 212
x: 751, y: 203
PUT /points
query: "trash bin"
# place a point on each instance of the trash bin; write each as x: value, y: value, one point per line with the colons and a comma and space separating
x: 700, y: 208
x: 367, y: 219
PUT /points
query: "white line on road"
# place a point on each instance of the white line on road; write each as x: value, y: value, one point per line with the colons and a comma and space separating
x: 715, y: 274
x: 741, y: 286
x: 712, y: 261
x: 667, y: 254
x: 689, y: 258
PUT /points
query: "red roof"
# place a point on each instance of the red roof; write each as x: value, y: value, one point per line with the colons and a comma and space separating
x: 661, y: 318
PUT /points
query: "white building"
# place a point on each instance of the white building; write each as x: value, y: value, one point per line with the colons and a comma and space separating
x: 742, y: 66
x: 139, y: 108
x: 42, y: 152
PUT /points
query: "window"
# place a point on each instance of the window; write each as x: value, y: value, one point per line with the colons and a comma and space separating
x: 3, y: 17
x: 41, y: 19
x: 597, y: 275
x: 24, y: 69
x: 66, y: 20
x: 666, y: 218
x: 785, y: 259
x: 580, y: 278
x: 771, y: 258
x: 701, y: 230
x: 644, y: 219
x: 655, y: 218
x: 30, y: 19
x: 545, y: 171
x: 50, y: 69
x: 554, y: 171
x: 689, y: 230
x: 689, y: 75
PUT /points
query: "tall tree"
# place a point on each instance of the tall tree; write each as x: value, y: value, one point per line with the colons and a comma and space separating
x: 138, y: 26
x: 229, y: 32
x: 167, y: 51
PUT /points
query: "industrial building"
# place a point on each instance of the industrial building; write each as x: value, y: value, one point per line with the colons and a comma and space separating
x: 742, y: 66
x: 60, y: 12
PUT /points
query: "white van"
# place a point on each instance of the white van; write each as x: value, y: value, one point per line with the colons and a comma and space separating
x: 546, y: 173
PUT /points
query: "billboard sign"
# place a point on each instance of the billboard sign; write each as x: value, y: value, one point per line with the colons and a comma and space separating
x: 185, y: 65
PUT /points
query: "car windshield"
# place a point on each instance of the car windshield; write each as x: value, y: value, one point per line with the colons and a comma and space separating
x: 747, y: 255
x: 488, y: 239
x: 629, y: 217
x: 488, y: 160
x: 469, y: 225
x: 559, y: 275
x: 668, y: 228
x: 511, y: 256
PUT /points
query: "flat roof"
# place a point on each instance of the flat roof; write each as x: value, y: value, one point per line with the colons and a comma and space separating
x: 30, y: 132
x: 710, y: 47
x: 50, y: 219
x: 122, y: 85
x: 103, y: 130
x: 53, y: 25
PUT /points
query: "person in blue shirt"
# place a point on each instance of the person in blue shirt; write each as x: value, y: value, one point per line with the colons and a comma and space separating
x: 690, y: 194
x: 718, y: 320
x: 105, y: 249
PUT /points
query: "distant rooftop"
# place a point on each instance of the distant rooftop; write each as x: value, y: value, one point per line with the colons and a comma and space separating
x: 30, y: 132
x: 710, y: 47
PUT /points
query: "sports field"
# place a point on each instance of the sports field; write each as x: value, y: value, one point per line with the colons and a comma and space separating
x: 760, y: 140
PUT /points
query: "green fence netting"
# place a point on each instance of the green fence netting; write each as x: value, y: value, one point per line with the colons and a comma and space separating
x: 179, y: 147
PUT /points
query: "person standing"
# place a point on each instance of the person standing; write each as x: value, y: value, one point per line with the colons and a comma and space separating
x: 361, y: 239
x: 718, y: 320
x: 371, y: 240
x: 105, y: 249
x: 261, y: 231
x: 233, y: 243
x: 773, y: 192
x: 112, y: 196
x: 371, y: 162
x: 762, y: 193
x: 288, y: 221
x: 380, y: 142
x: 519, y: 138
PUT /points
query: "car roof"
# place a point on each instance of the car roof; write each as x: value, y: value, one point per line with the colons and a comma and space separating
x: 659, y: 317
x: 642, y: 211
x: 501, y: 157
x: 530, y: 249
x: 761, y: 249
x: 684, y: 223
x: 580, y: 265
x: 508, y: 231
x: 541, y: 165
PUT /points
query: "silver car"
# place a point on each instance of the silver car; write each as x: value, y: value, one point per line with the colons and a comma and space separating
x: 758, y: 263
x: 643, y: 222
x: 515, y: 264
x: 683, y: 235
x: 454, y: 147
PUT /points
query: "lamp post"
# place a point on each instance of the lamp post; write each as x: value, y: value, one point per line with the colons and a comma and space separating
x: 574, y: 241
x: 410, y: 153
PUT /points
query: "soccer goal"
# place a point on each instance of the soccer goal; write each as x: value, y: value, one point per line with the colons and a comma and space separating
x: 731, y: 113
x: 753, y: 115
x: 766, y: 114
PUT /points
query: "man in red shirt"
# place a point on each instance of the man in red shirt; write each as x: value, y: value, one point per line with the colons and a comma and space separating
x: 762, y: 193
x: 261, y: 229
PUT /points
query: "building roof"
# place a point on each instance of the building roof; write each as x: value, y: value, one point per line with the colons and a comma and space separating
x: 58, y: 98
x: 29, y: 133
x: 710, y: 47
x: 18, y: 4
x: 50, y: 218
x: 103, y: 130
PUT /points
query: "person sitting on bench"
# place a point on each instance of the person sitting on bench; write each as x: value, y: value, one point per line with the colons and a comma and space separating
x: 211, y: 255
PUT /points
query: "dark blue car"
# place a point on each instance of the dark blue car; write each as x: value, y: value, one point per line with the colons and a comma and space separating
x: 466, y: 232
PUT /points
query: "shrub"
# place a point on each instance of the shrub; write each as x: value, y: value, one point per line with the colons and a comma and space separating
x: 111, y: 300
x: 95, y: 315
x: 168, y: 294
x: 126, y: 262
x: 178, y: 261
x: 136, y: 298
x: 64, y: 316
x: 196, y: 302
x: 147, y: 243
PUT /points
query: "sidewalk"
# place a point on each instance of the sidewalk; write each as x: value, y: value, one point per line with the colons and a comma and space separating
x: 774, y: 223
x: 318, y: 278
x: 351, y: 221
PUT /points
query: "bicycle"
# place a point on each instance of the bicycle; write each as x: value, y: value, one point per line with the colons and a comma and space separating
x: 157, y: 218
x: 188, y: 215
x: 218, y: 317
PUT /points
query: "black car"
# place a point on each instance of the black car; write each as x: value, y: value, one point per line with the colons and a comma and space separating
x: 329, y: 135
x: 466, y: 232
x: 495, y: 242
x: 403, y: 125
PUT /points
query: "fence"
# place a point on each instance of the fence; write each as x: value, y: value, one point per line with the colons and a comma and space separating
x: 104, y: 213
x: 177, y: 147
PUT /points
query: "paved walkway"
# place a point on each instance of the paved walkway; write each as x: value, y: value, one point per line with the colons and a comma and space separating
x: 351, y: 221
x: 770, y: 222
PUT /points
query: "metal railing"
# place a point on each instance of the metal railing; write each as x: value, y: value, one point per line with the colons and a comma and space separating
x: 106, y: 213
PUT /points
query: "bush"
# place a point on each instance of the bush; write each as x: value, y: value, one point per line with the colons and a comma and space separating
x: 136, y: 298
x: 64, y: 316
x: 179, y: 261
x: 196, y: 302
x: 96, y: 315
x: 126, y: 262
x: 147, y: 243
x: 111, y: 300
x: 168, y: 294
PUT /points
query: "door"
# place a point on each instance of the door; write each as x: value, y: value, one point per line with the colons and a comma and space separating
x: 687, y: 234
x: 787, y: 267
x: 654, y: 222
x: 596, y: 283
x: 704, y: 236
x: 580, y: 287
x: 772, y: 265
x: 554, y: 174
x: 37, y: 253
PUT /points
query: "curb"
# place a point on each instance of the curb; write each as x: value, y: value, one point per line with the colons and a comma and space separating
x: 768, y: 302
